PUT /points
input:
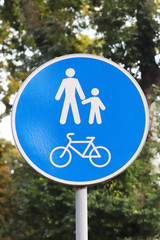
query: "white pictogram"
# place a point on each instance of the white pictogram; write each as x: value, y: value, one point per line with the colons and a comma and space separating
x: 96, y: 105
x: 70, y: 85
x: 93, y: 155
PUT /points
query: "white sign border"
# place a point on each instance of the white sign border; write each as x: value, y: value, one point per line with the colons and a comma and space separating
x: 85, y: 183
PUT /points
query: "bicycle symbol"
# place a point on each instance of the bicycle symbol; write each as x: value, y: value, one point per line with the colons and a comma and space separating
x: 94, y: 154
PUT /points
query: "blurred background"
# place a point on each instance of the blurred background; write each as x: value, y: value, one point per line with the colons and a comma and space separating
x: 35, y: 31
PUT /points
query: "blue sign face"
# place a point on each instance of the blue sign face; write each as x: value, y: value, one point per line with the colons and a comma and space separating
x: 80, y: 119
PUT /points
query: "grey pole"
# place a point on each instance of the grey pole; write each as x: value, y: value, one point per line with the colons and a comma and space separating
x: 81, y: 214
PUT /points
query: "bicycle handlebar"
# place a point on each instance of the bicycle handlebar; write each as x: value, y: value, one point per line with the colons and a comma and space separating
x: 69, y: 135
x: 72, y: 134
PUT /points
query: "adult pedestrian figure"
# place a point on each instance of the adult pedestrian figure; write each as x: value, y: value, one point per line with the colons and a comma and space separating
x: 70, y: 85
x: 96, y: 105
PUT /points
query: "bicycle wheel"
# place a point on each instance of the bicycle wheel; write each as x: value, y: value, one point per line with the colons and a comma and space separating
x: 58, y: 159
x: 100, y: 156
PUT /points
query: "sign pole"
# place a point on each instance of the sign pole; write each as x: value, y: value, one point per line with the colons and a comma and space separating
x: 81, y: 214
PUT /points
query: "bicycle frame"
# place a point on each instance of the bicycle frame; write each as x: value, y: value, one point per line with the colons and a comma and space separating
x: 83, y: 155
x: 92, y: 153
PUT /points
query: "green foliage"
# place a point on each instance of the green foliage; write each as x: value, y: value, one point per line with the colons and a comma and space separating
x: 8, y: 159
x: 126, y: 207
x: 32, y: 207
x: 130, y: 36
x: 44, y: 210
x: 85, y: 44
x: 33, y: 32
x: 129, y: 29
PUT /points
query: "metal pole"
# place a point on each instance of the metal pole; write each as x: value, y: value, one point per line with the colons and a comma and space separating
x: 81, y: 214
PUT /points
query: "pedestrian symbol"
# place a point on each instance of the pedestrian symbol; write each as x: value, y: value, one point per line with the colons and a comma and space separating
x: 96, y: 104
x: 80, y: 119
x: 70, y: 85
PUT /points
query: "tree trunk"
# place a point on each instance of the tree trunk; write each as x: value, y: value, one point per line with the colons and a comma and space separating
x: 146, y: 34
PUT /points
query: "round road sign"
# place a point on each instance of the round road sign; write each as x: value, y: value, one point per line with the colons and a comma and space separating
x: 80, y: 119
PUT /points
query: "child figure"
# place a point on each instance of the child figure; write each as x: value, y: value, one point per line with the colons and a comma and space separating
x: 96, y: 104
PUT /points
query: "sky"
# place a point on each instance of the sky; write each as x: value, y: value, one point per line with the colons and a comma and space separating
x: 5, y: 126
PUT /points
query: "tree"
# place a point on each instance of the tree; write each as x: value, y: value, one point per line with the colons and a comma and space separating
x: 130, y: 34
x: 32, y: 207
x: 9, y: 158
x: 33, y: 32
x: 126, y: 206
